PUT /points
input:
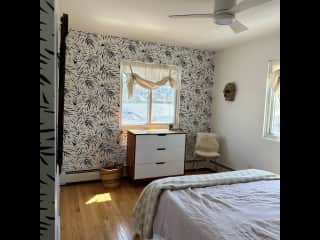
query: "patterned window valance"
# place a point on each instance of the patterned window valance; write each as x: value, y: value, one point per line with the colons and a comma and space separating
x: 150, y: 76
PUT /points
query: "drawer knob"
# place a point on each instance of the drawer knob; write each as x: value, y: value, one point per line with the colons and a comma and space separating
x: 160, y: 162
x: 162, y: 134
x: 160, y: 149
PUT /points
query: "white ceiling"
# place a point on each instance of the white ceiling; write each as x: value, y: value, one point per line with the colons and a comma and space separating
x: 148, y: 20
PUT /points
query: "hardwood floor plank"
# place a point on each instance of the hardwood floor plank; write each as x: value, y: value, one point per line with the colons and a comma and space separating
x: 90, y: 211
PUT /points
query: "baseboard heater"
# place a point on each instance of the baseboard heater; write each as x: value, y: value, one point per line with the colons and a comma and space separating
x: 79, y: 176
x: 84, y: 175
x: 223, y: 166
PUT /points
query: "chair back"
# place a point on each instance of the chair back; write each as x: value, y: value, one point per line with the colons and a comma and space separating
x: 206, y: 142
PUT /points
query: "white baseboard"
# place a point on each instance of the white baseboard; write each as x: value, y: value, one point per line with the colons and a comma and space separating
x: 79, y: 177
x: 57, y: 226
x: 196, y: 164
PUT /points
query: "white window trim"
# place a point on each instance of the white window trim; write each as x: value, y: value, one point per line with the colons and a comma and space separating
x: 149, y: 125
x: 266, y: 134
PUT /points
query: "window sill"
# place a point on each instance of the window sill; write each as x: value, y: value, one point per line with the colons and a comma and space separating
x: 272, y: 138
x: 145, y: 127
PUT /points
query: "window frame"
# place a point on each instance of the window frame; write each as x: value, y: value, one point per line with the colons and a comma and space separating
x: 268, y: 109
x: 149, y: 124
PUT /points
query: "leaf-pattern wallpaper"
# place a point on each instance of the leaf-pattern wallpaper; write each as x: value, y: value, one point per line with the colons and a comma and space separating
x: 92, y: 94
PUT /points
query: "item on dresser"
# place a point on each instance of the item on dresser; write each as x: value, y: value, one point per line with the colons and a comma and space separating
x: 155, y: 153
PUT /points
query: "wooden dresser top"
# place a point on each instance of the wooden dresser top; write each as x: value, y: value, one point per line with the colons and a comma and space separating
x: 154, y: 132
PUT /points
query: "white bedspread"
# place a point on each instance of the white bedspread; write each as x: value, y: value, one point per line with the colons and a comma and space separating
x: 146, y: 206
x: 224, y: 212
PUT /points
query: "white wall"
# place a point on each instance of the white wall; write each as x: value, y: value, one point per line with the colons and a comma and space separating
x: 239, y: 123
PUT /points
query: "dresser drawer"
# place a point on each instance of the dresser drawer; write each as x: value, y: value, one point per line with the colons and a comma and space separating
x: 153, y: 155
x: 164, y: 168
x: 160, y: 141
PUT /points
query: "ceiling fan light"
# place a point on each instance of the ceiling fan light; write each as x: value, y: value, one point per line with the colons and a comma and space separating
x: 223, y: 19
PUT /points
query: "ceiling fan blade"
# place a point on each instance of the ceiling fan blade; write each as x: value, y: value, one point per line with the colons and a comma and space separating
x: 200, y: 15
x: 246, y: 4
x: 238, y: 27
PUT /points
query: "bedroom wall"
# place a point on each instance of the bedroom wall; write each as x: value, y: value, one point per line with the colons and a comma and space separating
x: 239, y: 123
x: 92, y: 94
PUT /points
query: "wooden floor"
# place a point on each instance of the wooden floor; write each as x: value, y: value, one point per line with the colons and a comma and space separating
x: 91, y: 212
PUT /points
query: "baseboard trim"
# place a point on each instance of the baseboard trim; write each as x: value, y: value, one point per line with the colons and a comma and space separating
x: 84, y: 176
x: 221, y: 165
x: 198, y: 169
x: 94, y: 175
x: 201, y: 170
x: 81, y: 171
x: 72, y: 177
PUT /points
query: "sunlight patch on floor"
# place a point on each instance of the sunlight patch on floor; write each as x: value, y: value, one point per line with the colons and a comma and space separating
x: 98, y: 198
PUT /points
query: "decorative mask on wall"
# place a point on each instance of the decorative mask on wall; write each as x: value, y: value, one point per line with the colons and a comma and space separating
x: 229, y: 91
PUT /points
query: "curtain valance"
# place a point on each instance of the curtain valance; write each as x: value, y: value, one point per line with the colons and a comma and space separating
x: 150, y: 76
x: 275, y: 77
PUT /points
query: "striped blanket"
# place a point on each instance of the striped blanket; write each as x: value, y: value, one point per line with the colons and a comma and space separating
x: 146, y: 206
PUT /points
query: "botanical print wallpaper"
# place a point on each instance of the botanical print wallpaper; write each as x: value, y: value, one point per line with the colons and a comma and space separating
x: 47, y: 116
x: 92, y: 94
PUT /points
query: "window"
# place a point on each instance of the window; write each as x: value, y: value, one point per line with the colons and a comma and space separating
x: 271, y: 128
x: 148, y: 107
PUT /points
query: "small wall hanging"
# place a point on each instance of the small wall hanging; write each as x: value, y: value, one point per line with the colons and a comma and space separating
x: 229, y: 91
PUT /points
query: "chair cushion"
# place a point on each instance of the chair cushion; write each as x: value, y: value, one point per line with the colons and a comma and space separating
x: 206, y: 142
x: 206, y: 154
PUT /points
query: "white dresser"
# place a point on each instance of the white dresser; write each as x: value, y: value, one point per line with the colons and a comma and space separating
x: 153, y: 154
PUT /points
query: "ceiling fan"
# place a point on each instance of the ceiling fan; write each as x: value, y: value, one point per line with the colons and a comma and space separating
x: 225, y: 11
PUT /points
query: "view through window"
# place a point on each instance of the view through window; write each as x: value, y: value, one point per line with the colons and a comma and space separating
x: 146, y: 106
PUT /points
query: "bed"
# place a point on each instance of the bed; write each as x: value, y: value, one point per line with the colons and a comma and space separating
x: 242, y: 204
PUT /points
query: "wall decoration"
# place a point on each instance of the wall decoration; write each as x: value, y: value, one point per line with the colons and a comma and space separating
x: 92, y: 94
x: 229, y: 91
